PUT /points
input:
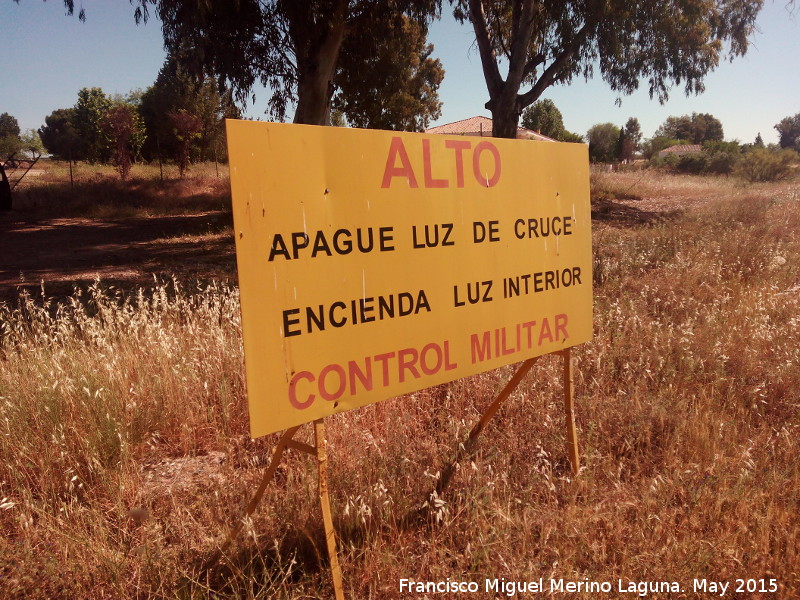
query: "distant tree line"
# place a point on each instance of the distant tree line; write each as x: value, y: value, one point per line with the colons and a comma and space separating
x: 181, y: 116
x: 184, y: 116
x: 178, y: 117
x: 324, y: 55
x: 752, y: 161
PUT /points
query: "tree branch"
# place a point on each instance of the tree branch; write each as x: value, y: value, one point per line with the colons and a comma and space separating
x: 521, y: 39
x: 531, y: 65
x: 491, y: 72
x: 551, y: 72
x: 500, y: 38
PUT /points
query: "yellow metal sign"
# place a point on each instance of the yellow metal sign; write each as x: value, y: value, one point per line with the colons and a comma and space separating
x: 375, y: 263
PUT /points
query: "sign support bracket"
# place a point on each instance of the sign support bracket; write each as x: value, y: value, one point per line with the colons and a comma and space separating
x: 320, y: 451
x: 468, y: 447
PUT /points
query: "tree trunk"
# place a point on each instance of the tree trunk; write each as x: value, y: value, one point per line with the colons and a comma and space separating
x: 5, y: 191
x: 506, y: 103
x: 313, y: 97
x: 316, y: 68
x: 503, y: 93
x: 505, y: 113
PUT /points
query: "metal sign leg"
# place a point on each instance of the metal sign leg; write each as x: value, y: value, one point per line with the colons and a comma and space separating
x: 324, y: 501
x: 569, y: 409
x: 320, y: 450
x: 283, y: 443
x: 468, y: 447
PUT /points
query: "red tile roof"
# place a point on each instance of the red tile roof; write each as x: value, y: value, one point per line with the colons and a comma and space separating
x: 685, y: 148
x: 482, y: 126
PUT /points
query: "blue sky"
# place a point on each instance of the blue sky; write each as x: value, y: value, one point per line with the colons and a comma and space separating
x: 48, y: 57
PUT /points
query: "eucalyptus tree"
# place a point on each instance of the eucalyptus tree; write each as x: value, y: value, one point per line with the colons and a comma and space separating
x: 290, y: 46
x: 547, y: 42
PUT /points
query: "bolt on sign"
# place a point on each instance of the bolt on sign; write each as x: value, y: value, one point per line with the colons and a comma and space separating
x: 375, y: 263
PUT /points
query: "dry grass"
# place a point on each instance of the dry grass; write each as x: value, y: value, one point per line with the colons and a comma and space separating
x: 124, y: 458
x: 97, y: 192
x: 662, y: 191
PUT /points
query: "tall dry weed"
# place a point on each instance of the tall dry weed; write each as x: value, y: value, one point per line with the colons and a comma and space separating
x: 91, y: 388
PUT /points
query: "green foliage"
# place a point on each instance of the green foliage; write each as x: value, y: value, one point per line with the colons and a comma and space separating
x: 789, y: 131
x: 692, y: 164
x: 696, y: 129
x: 386, y: 78
x: 175, y: 90
x: 716, y: 158
x: 31, y: 143
x: 629, y: 140
x: 726, y: 158
x: 9, y: 145
x: 186, y: 128
x: 767, y: 165
x: 574, y: 138
x: 86, y: 131
x: 59, y: 135
x: 543, y: 116
x: 90, y: 109
x: 9, y: 126
x: 10, y: 142
x: 714, y: 146
x: 722, y: 157
x: 603, y: 142
x: 722, y: 163
x: 633, y: 132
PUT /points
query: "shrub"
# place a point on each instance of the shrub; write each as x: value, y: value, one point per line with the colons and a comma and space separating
x: 722, y: 163
x: 669, y: 162
x: 766, y: 165
x: 692, y: 163
x: 716, y: 146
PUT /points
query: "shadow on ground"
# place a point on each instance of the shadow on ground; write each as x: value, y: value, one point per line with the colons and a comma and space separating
x: 624, y: 214
x: 130, y: 251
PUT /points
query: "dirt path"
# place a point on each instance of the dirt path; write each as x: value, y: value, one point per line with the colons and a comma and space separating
x: 61, y: 252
